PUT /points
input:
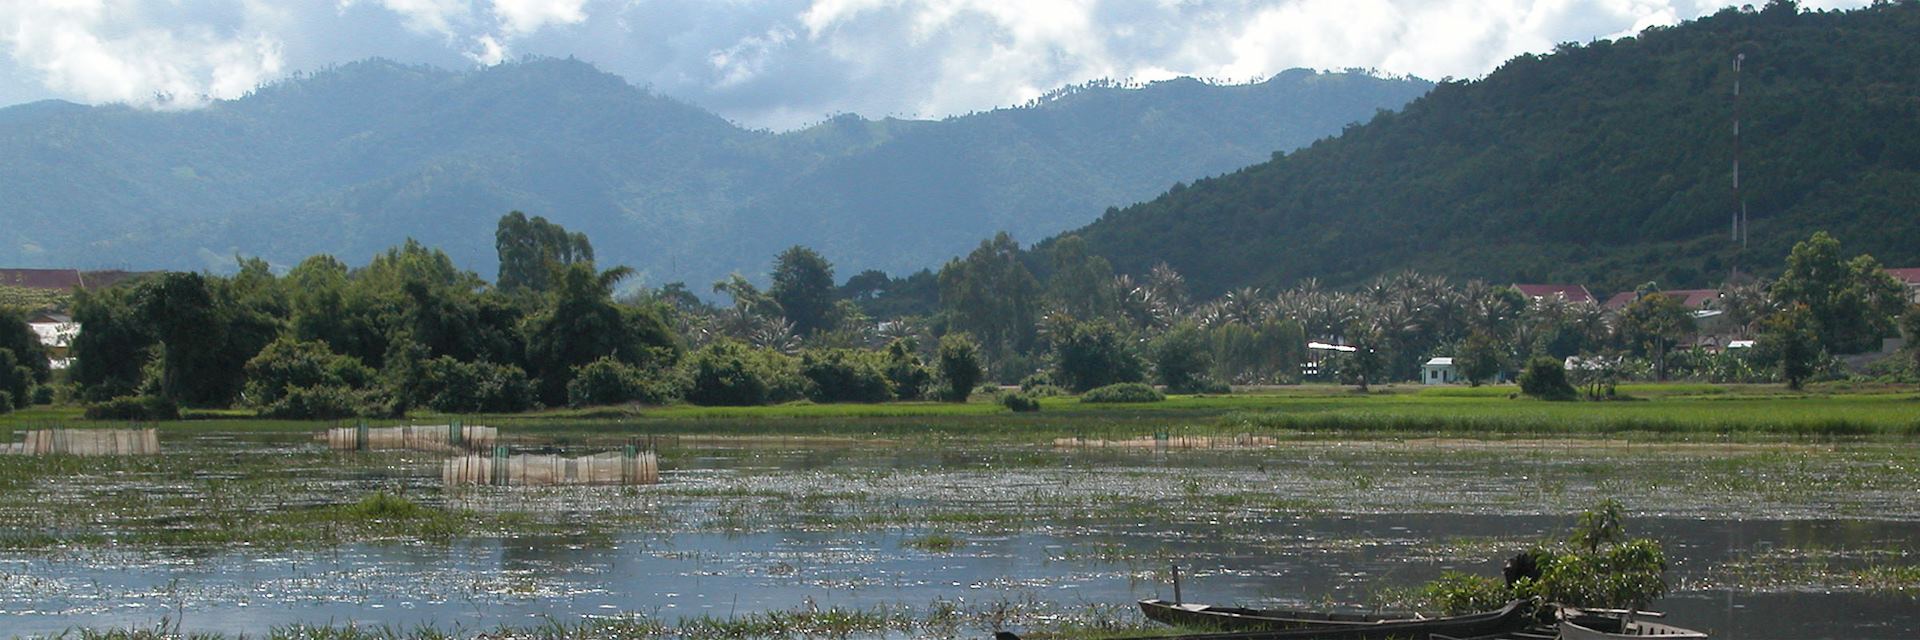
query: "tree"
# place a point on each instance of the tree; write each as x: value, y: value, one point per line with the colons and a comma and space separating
x: 1480, y: 358
x: 180, y: 309
x: 1182, y: 360
x: 905, y: 371
x: 1082, y: 283
x: 16, y: 336
x: 1910, y: 328
x: 111, y: 354
x: 582, y: 324
x: 991, y: 295
x: 1653, y: 323
x: 533, y: 251
x: 960, y: 368
x: 1850, y: 304
x: 1546, y: 378
x: 845, y: 375
x: 803, y: 285
x: 1093, y: 354
x: 1790, y: 338
x: 16, y: 382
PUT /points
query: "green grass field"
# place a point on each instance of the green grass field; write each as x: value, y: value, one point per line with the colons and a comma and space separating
x: 1683, y: 410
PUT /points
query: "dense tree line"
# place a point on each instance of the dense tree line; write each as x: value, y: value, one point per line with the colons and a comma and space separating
x: 410, y: 331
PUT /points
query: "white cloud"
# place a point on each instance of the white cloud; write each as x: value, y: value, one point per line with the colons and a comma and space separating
x: 441, y: 17
x: 76, y: 50
x: 783, y: 63
x: 521, y: 17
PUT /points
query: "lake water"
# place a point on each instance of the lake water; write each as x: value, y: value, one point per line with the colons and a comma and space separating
x: 1045, y: 534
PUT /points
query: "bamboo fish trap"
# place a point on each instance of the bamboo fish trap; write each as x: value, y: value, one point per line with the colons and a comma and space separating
x: 1164, y: 441
x: 452, y: 438
x: 627, y: 467
x: 86, y: 442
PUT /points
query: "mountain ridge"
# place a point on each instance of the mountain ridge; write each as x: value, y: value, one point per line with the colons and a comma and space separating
x: 1608, y: 164
x: 355, y: 158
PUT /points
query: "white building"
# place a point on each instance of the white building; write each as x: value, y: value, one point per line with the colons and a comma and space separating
x: 1439, y: 371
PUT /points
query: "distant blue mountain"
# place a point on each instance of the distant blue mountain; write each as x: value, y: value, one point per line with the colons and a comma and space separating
x: 357, y: 158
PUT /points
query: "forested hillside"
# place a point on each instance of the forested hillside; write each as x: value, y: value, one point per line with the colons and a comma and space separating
x: 354, y: 159
x: 1607, y: 164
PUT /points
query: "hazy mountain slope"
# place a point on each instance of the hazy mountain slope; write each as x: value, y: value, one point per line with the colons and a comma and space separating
x: 1607, y: 164
x: 354, y: 159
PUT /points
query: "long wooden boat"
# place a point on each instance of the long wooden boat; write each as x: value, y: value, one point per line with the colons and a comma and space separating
x: 1595, y: 628
x: 1207, y: 616
x: 1514, y: 616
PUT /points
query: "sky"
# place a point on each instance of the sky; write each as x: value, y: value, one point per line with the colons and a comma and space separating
x: 783, y: 64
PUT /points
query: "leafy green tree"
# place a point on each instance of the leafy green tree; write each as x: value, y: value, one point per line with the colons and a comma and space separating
x: 609, y: 381
x: 304, y: 380
x: 991, y: 295
x: 1653, y: 324
x: 1182, y: 360
x: 1366, y: 362
x: 288, y: 364
x: 16, y: 382
x: 1546, y: 378
x: 452, y: 386
x: 845, y: 375
x: 111, y: 354
x: 1082, y: 283
x: 183, y: 314
x: 1094, y: 354
x: 728, y: 373
x: 533, y: 251
x: 960, y: 369
x: 581, y: 324
x: 1790, y: 337
x: 17, y: 336
x: 905, y: 371
x: 803, y: 286
x: 1851, y: 304
x: 1481, y: 358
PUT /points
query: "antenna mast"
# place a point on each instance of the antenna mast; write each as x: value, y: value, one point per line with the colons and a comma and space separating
x: 1740, y: 228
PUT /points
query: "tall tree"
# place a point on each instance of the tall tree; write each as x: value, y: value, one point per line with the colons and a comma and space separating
x: 112, y: 352
x: 991, y: 295
x: 532, y: 251
x: 803, y: 285
x: 582, y: 324
x: 181, y: 310
x: 1654, y: 323
x: 1082, y: 283
x: 1851, y: 304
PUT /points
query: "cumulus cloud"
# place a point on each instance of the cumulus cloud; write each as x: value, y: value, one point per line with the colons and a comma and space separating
x: 785, y: 63
x: 81, y: 49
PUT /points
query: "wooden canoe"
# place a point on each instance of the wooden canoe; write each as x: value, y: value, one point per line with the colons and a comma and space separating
x: 1206, y: 616
x: 1516, y: 615
x: 1592, y: 628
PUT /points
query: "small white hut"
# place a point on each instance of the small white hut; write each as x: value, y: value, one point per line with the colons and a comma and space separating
x: 1439, y: 371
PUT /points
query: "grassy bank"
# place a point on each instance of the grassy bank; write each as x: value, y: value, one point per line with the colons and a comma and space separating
x: 1671, y: 410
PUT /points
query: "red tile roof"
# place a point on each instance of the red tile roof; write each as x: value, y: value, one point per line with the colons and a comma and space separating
x: 58, y: 279
x: 1689, y: 298
x: 1910, y: 275
x: 1572, y: 292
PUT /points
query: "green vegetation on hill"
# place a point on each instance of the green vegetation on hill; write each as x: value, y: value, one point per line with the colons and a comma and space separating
x: 356, y: 158
x: 1607, y: 164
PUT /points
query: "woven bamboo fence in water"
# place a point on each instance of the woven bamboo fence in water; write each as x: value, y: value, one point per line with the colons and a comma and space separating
x: 442, y: 437
x: 1172, y: 442
x: 532, y: 470
x: 86, y: 442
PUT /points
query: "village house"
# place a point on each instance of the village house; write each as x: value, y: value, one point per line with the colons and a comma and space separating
x: 1569, y: 292
x: 1910, y: 277
x: 1439, y: 371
